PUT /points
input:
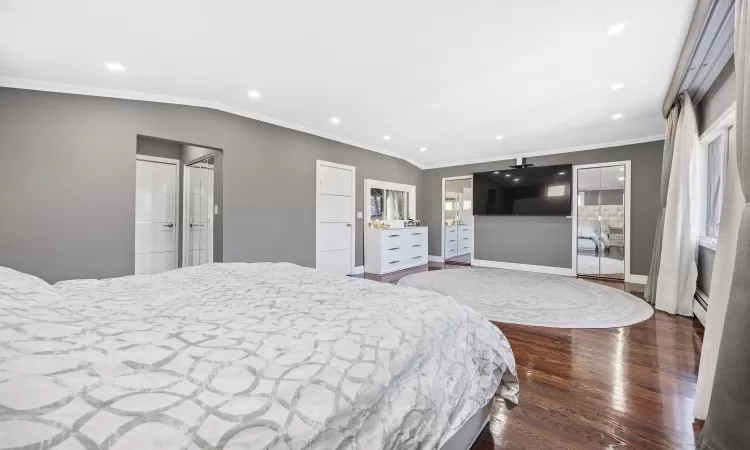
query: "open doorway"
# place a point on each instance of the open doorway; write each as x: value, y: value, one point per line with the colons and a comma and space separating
x: 178, y: 205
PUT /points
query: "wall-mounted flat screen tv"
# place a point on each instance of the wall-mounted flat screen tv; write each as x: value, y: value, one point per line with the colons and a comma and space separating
x: 531, y: 191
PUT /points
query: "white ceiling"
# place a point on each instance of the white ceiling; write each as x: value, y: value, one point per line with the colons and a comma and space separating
x: 445, y: 75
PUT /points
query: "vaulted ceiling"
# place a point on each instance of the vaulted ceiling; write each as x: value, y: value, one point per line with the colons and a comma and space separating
x: 448, y: 77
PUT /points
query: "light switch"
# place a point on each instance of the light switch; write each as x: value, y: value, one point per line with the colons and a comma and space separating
x: 359, y: 214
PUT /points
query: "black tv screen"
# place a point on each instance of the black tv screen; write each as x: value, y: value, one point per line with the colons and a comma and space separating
x: 533, y: 191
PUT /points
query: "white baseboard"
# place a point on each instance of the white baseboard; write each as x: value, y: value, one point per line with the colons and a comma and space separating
x: 638, y: 279
x: 524, y: 267
x: 359, y: 270
x: 435, y: 258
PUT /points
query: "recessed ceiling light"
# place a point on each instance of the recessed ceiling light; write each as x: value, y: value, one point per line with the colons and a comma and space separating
x: 621, y: 178
x: 496, y: 173
x: 615, y: 29
x: 335, y: 120
x: 617, y: 116
x: 499, y: 138
x: 507, y: 175
x: 422, y: 149
x: 561, y: 173
x: 386, y: 138
x: 618, y: 85
x: 114, y: 67
x: 253, y: 94
x: 517, y: 179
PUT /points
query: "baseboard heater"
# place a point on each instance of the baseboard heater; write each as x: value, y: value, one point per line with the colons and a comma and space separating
x: 700, y: 306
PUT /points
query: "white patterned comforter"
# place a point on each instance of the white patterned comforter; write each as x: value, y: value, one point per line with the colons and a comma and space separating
x: 240, y: 356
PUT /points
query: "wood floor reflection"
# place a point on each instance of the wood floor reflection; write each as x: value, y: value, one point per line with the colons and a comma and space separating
x: 629, y: 387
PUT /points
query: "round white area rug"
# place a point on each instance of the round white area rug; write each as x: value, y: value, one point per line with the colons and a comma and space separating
x: 538, y: 299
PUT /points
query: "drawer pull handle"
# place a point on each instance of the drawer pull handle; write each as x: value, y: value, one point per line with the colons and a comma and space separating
x: 452, y: 240
x: 394, y: 235
x: 451, y: 231
x: 393, y: 262
x: 416, y: 234
x: 417, y: 257
x: 394, y: 248
x: 417, y: 245
x: 466, y: 239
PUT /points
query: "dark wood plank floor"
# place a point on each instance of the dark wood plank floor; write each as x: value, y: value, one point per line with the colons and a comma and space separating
x: 629, y: 387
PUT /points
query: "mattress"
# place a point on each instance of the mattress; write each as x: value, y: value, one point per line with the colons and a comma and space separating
x: 241, y: 356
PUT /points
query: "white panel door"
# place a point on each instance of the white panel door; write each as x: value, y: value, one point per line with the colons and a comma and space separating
x: 335, y: 210
x: 155, y: 217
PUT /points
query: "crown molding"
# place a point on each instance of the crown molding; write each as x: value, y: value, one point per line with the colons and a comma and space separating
x: 37, y: 85
x: 580, y: 148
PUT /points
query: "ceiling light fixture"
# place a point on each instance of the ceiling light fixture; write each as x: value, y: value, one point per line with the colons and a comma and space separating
x: 561, y: 173
x: 617, y: 86
x: 615, y: 29
x: 496, y: 173
x: 617, y: 116
x: 517, y: 179
x: 335, y: 120
x: 386, y: 138
x: 253, y: 94
x: 621, y: 178
x: 115, y: 67
x: 507, y: 175
x: 499, y: 138
x: 423, y: 149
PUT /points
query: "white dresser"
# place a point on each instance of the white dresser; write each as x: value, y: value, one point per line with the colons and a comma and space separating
x: 457, y: 240
x: 392, y: 249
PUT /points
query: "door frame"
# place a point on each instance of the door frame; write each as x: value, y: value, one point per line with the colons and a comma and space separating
x: 318, y: 164
x: 185, y: 202
x: 442, y: 216
x: 177, y: 218
x: 574, y: 212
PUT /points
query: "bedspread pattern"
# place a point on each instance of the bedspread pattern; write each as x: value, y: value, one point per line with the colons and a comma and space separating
x: 241, y: 356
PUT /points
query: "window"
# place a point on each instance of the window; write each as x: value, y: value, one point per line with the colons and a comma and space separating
x: 715, y: 168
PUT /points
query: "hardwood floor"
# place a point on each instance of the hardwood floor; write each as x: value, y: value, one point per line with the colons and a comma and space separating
x: 629, y: 387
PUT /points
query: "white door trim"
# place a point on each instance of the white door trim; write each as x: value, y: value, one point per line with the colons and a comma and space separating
x: 176, y: 163
x: 574, y: 211
x: 318, y: 164
x: 442, y: 215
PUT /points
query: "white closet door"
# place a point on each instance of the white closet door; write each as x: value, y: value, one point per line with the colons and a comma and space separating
x: 334, y: 215
x: 155, y: 217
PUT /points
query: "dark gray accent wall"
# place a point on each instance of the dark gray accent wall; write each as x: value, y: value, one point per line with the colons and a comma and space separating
x: 719, y: 97
x: 67, y: 182
x: 705, y: 269
x: 547, y: 241
x: 159, y: 148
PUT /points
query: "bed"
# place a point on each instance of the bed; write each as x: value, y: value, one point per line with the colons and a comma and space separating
x: 243, y: 356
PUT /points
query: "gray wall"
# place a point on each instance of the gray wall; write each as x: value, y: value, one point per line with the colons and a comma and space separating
x: 67, y: 182
x: 546, y: 241
x: 159, y: 148
x: 721, y: 94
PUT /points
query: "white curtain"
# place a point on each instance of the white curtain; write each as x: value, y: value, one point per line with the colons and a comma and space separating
x: 678, y: 270
x: 721, y: 279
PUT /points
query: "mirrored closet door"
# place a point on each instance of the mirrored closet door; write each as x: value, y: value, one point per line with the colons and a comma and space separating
x: 458, y: 233
x: 601, y: 221
x: 200, y: 204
